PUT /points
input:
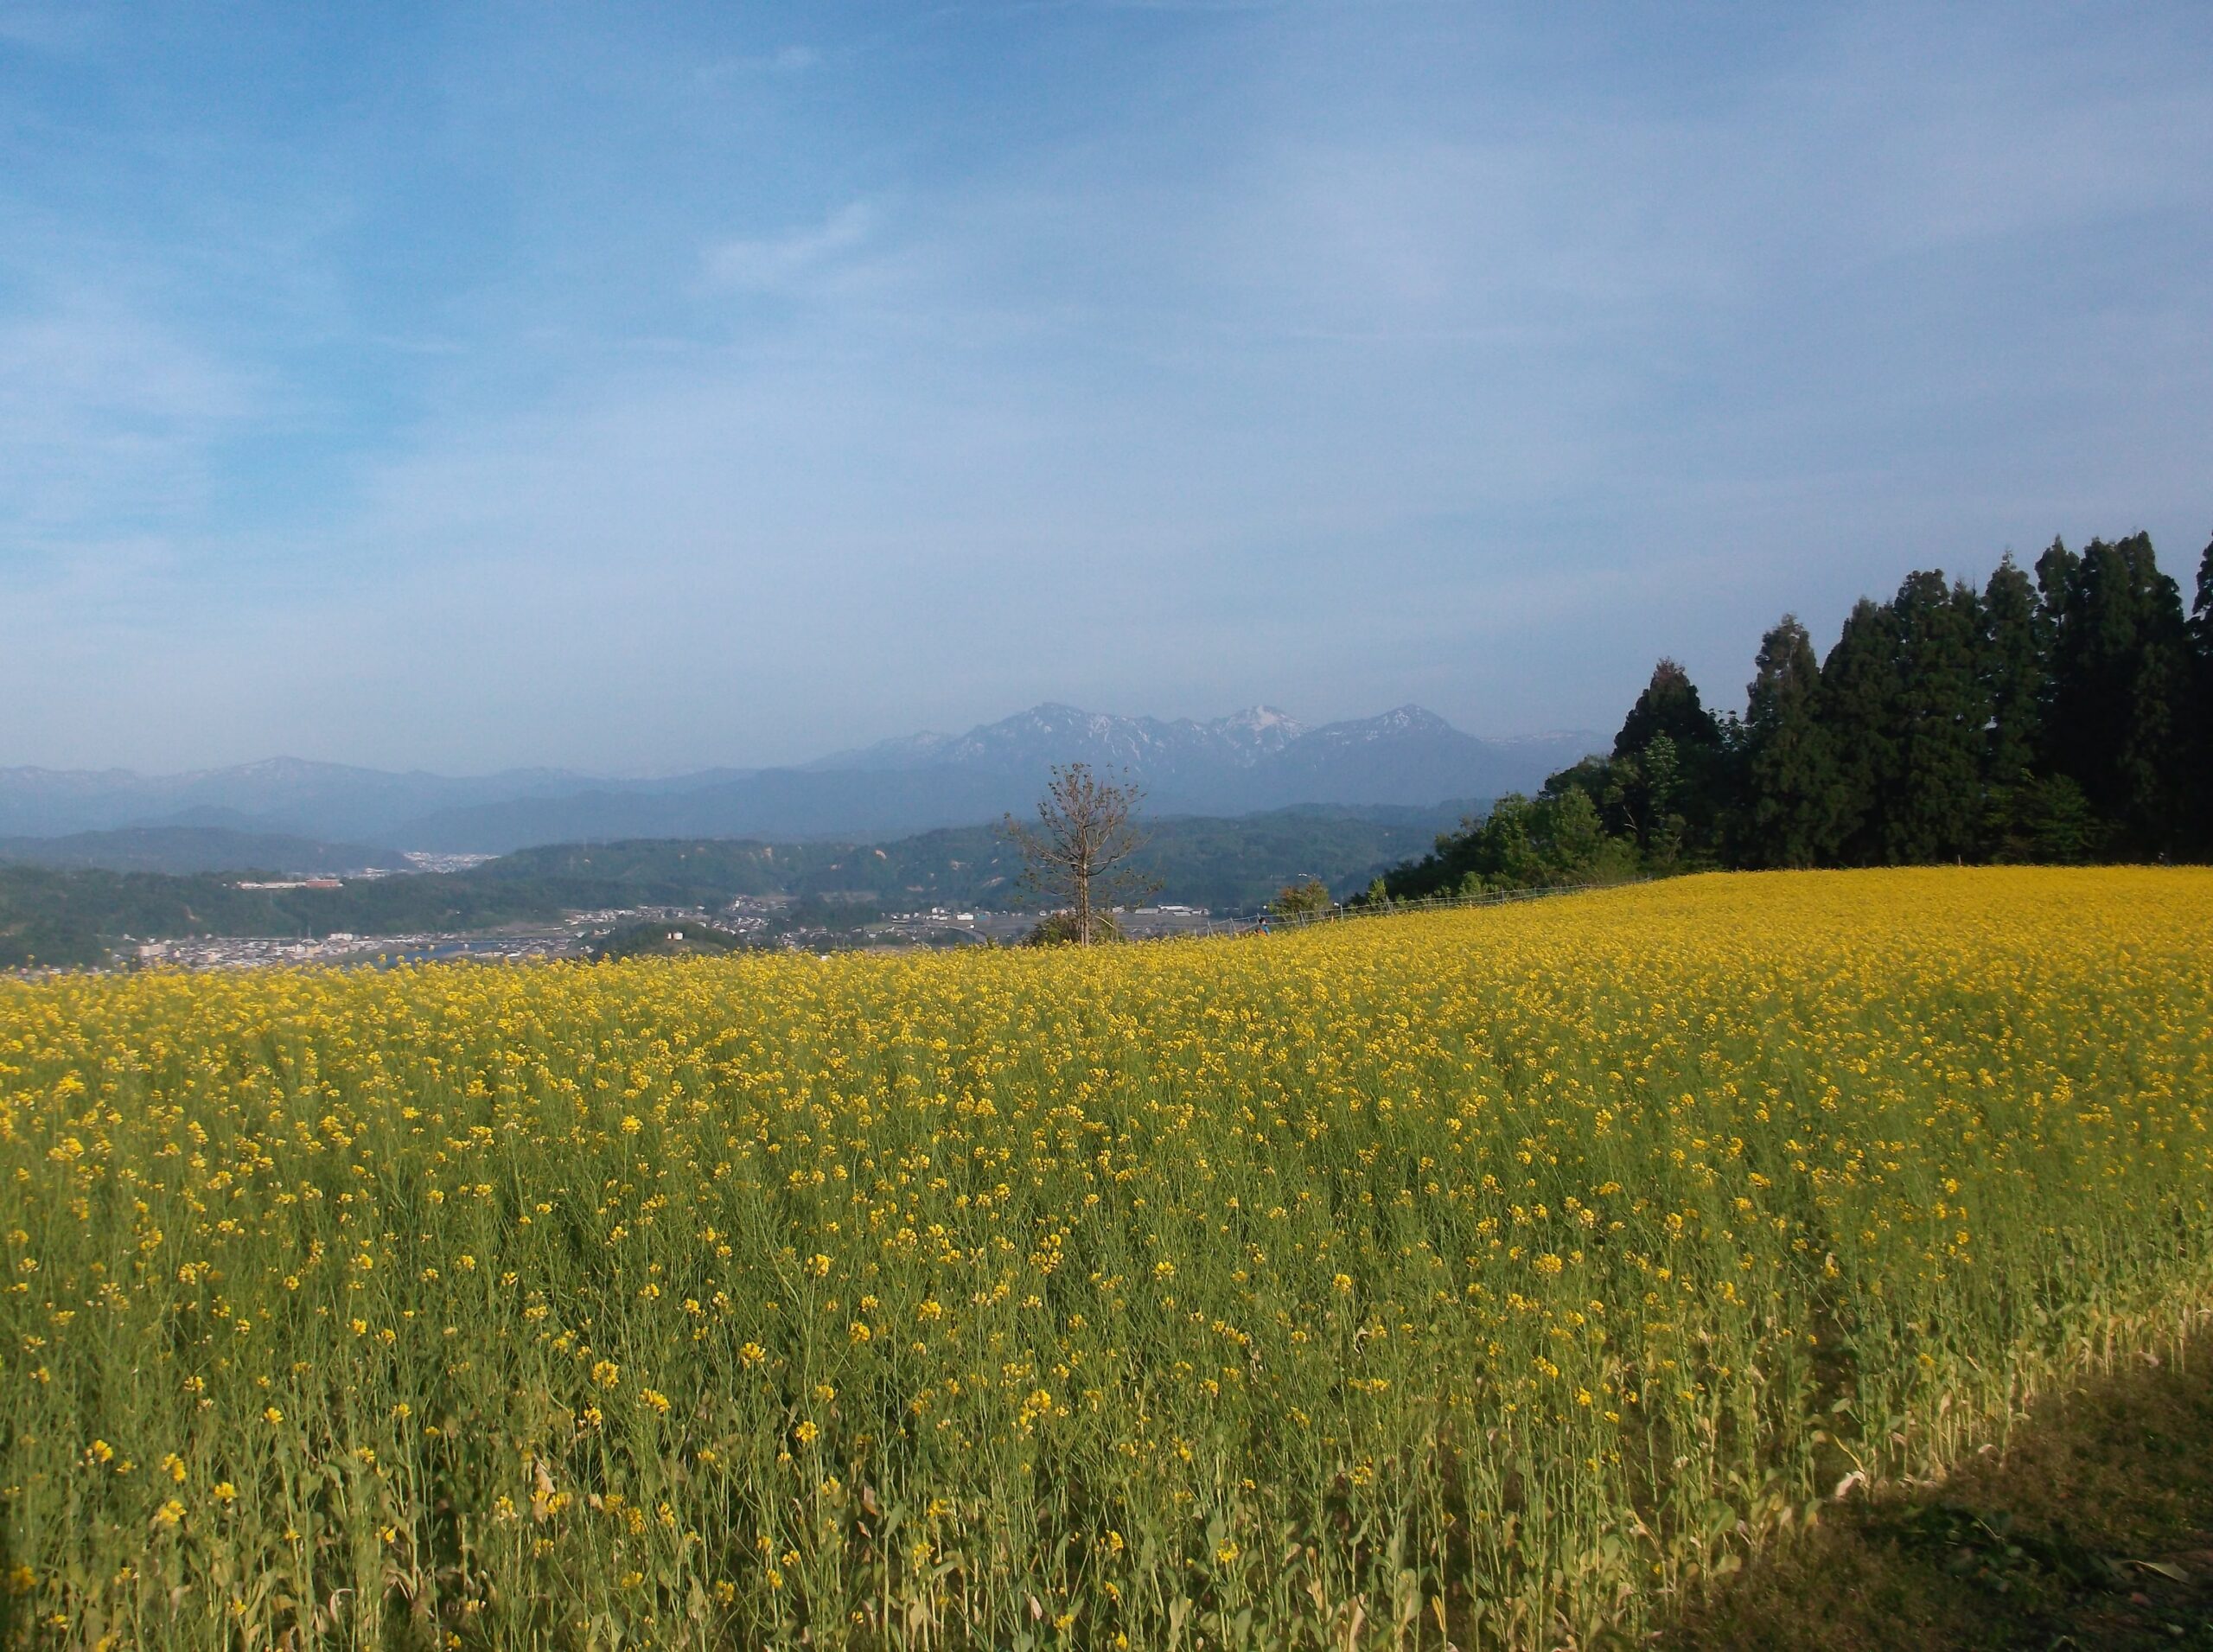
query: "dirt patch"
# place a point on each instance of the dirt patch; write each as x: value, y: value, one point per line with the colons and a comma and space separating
x: 2094, y: 1529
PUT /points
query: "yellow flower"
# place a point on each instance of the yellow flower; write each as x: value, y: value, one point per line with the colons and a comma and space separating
x: 1748, y: 1107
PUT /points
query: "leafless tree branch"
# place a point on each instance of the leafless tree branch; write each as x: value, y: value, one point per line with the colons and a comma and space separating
x: 1077, y: 857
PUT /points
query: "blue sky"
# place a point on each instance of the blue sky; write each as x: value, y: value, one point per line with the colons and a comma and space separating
x: 641, y: 388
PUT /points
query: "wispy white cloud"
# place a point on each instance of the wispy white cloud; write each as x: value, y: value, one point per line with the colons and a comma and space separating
x: 792, y: 60
x: 107, y: 415
x: 781, y: 261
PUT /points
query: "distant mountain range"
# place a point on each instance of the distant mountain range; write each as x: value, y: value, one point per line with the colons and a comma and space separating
x: 1251, y: 761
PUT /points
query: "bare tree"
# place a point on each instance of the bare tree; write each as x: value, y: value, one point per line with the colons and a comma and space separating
x: 1077, y: 855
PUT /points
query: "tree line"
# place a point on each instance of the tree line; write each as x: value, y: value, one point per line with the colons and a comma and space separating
x: 2059, y: 714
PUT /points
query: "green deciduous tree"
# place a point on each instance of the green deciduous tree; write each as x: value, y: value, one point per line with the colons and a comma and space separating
x: 1545, y: 842
x: 1644, y: 793
x: 1571, y: 839
x: 1307, y: 898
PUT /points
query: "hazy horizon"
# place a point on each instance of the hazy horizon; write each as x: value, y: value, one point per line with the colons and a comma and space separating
x: 447, y: 388
x: 272, y: 758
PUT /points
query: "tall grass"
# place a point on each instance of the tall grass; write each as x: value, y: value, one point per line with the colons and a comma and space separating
x: 1486, y: 1276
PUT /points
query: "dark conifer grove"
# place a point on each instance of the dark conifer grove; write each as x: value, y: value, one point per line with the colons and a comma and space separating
x: 2061, y: 716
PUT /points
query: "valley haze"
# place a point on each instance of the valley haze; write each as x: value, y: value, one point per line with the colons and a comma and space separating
x: 1251, y: 761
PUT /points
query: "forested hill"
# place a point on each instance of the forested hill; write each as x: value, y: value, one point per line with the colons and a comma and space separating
x: 2058, y: 715
x: 60, y: 916
x: 1234, y: 863
x: 187, y: 849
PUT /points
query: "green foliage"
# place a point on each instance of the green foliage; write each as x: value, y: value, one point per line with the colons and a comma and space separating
x: 1663, y: 790
x: 689, y: 938
x: 1793, y: 785
x: 2197, y: 801
x: 2013, y: 672
x: 1308, y: 898
x: 1059, y: 929
x: 1943, y: 709
x: 1554, y: 840
x: 1862, y: 706
x: 2121, y: 666
x: 1669, y: 706
x: 2051, y: 823
x: 2063, y: 719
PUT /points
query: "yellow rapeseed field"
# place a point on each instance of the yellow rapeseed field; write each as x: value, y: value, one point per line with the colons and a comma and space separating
x: 1488, y: 1274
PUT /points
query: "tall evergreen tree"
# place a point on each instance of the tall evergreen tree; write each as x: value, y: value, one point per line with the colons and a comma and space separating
x: 1790, y: 814
x: 1860, y: 709
x: 2013, y: 677
x: 2056, y: 570
x: 1936, y: 811
x: 2058, y: 719
x: 2198, y: 800
x: 2119, y: 670
x: 1668, y: 705
x: 1667, y: 775
x: 2201, y: 611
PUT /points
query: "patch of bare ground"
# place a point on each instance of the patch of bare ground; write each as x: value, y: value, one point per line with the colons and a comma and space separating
x: 2092, y: 1529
